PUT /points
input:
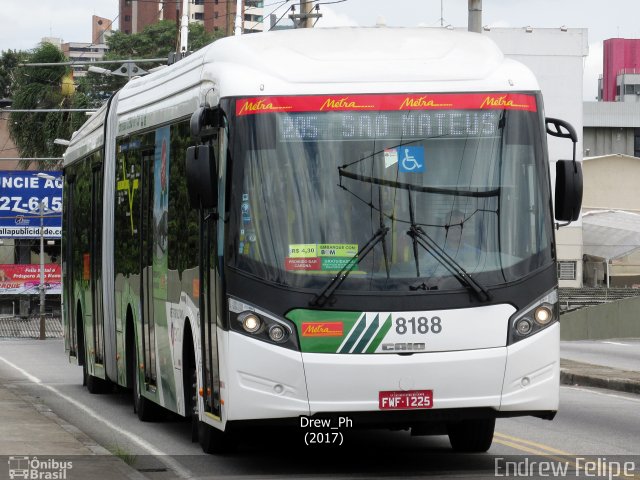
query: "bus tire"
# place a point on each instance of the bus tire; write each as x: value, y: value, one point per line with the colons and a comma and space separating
x: 471, y: 436
x: 213, y: 440
x: 95, y: 385
x: 143, y: 407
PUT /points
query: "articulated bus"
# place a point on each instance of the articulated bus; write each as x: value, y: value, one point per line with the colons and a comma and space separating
x: 351, y: 223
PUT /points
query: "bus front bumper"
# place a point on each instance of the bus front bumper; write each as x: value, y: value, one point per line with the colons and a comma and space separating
x: 268, y: 382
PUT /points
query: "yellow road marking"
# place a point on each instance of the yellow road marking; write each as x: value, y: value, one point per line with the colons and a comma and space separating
x: 533, y: 444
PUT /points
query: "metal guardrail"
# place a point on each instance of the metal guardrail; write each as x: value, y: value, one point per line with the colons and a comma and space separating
x: 19, y: 327
x: 575, y: 298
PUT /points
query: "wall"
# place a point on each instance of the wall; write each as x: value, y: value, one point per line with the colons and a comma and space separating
x: 619, y: 319
x: 607, y: 140
x: 611, y: 183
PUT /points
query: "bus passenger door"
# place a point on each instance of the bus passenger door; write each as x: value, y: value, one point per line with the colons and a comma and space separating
x: 71, y: 335
x: 146, y: 268
x: 95, y: 248
x: 209, y: 312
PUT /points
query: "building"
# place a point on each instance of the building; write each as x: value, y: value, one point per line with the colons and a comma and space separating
x: 611, y: 128
x: 83, y: 52
x: 611, y: 220
x: 100, y: 29
x: 215, y: 15
x: 611, y: 249
x: 621, y: 71
x: 86, y: 51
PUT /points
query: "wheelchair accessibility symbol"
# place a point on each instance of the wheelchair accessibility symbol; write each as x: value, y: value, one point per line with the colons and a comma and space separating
x: 411, y: 160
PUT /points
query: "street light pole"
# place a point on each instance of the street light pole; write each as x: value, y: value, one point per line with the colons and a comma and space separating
x: 42, y: 287
x: 43, y: 333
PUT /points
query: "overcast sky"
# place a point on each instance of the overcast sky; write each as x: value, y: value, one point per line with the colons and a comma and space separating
x: 25, y: 22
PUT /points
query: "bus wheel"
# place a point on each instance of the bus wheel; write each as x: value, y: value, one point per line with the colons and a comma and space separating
x: 142, y: 406
x: 472, y: 435
x: 213, y: 440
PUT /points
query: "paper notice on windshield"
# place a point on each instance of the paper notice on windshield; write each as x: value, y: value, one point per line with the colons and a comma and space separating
x: 337, y: 249
x: 302, y: 250
x: 328, y: 257
x: 390, y: 157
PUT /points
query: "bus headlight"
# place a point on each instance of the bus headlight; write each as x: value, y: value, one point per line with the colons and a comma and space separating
x: 250, y: 322
x: 543, y: 314
x: 523, y: 326
x: 277, y: 333
x: 534, y: 317
x: 258, y: 324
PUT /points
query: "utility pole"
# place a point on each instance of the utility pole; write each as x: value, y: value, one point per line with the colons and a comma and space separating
x: 475, y: 16
x: 184, y: 29
x: 304, y: 19
x: 306, y: 9
x: 43, y: 334
x: 237, y: 28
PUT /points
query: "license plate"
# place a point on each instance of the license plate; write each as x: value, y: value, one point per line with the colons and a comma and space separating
x: 405, y: 400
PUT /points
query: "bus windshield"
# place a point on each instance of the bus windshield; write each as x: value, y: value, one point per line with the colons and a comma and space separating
x: 311, y: 186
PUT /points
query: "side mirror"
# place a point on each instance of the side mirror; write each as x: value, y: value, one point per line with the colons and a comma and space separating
x: 202, y: 182
x: 568, y: 199
x: 569, y: 183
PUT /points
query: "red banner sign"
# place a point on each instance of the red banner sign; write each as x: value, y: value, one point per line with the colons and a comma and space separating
x: 25, y: 279
x: 439, y: 101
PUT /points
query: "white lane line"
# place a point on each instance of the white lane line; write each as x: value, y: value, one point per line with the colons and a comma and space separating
x: 619, y: 343
x: 603, y: 394
x: 142, y: 443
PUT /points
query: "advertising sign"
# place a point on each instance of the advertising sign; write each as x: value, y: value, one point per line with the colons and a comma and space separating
x: 25, y: 279
x: 22, y: 193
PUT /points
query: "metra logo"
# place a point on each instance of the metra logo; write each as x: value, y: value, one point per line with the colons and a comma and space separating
x: 422, y: 102
x: 501, y: 101
x: 333, y: 103
x: 259, y: 106
x: 322, y: 329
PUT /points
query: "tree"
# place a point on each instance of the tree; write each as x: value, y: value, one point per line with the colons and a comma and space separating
x: 155, y: 41
x: 8, y: 63
x: 41, y: 88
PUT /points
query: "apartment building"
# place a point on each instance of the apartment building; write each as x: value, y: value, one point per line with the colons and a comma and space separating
x: 215, y: 15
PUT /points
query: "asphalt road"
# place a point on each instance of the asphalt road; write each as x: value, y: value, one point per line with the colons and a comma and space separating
x: 617, y: 353
x: 591, y: 424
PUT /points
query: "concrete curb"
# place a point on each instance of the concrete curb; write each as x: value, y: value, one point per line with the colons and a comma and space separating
x: 115, y: 464
x: 587, y: 375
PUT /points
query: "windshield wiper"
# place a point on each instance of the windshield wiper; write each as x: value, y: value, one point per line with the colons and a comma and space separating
x: 421, y: 238
x: 321, y: 298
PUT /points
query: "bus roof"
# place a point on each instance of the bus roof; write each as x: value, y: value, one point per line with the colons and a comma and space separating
x: 345, y: 60
x: 356, y: 59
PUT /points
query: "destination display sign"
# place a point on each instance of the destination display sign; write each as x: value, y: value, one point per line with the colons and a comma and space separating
x: 400, y: 126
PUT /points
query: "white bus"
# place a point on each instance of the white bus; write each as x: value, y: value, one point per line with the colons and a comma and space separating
x: 351, y: 223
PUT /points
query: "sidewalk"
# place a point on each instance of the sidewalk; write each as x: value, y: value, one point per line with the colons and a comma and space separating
x: 600, y: 376
x: 34, y: 438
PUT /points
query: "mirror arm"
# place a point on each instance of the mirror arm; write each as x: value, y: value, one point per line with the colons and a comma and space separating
x: 560, y: 225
